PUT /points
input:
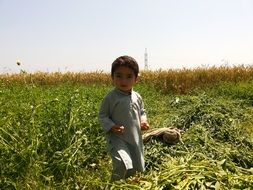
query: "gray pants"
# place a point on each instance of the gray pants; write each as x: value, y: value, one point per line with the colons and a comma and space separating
x: 120, y: 161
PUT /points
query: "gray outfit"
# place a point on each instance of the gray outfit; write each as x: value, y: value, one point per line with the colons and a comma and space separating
x: 126, y: 150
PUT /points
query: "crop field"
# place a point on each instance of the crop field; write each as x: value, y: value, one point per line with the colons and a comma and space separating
x: 50, y: 137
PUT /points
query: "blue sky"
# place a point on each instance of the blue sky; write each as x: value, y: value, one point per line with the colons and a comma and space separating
x: 87, y: 35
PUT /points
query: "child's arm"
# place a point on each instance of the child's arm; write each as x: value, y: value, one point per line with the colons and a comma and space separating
x: 104, y: 117
x: 105, y: 120
x: 144, y: 120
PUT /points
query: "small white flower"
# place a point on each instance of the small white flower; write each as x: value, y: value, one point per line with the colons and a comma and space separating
x: 79, y: 132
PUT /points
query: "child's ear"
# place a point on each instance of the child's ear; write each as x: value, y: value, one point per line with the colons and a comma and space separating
x: 112, y: 81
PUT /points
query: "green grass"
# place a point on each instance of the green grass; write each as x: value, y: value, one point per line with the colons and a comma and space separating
x: 50, y: 138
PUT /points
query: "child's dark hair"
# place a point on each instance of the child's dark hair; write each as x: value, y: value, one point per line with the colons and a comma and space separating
x: 125, y: 61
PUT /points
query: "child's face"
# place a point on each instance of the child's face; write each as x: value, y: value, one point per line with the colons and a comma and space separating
x: 124, y: 78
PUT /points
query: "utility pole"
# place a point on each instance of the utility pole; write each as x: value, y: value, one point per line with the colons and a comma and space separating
x: 146, y: 59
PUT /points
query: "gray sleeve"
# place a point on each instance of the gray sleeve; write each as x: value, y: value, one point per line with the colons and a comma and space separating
x: 142, y: 111
x: 104, y: 115
x: 143, y: 114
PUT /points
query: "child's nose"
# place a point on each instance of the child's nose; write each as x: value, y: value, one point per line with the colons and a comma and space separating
x: 124, y: 79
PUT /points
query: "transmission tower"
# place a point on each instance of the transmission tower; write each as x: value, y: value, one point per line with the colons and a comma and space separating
x: 146, y: 59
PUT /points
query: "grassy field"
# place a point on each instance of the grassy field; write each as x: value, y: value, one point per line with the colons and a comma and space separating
x: 50, y: 137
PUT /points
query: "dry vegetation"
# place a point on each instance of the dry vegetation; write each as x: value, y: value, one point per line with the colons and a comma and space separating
x: 177, y: 81
x: 184, y: 80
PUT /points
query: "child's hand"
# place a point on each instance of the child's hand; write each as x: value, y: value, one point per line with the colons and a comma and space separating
x: 144, y: 126
x: 118, y: 129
